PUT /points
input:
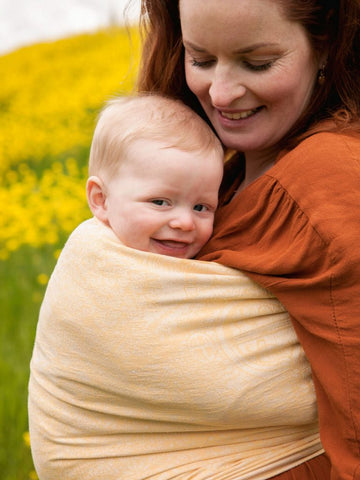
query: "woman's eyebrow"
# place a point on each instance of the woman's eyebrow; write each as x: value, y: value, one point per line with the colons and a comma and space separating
x: 255, y: 46
x: 248, y: 49
x: 193, y: 47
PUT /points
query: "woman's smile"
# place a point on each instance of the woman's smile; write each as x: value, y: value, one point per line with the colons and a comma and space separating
x: 239, y: 115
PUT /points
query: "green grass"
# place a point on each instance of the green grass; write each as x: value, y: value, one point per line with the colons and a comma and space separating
x: 20, y: 298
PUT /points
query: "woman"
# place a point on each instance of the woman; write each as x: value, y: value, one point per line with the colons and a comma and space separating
x: 279, y: 82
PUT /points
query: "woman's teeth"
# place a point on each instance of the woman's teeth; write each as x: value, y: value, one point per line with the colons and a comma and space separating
x: 240, y: 115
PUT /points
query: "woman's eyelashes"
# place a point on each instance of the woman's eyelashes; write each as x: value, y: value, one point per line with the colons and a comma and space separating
x: 258, y: 67
x: 202, y: 64
x: 253, y: 66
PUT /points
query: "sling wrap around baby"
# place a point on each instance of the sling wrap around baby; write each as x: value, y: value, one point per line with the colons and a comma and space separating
x: 152, y: 367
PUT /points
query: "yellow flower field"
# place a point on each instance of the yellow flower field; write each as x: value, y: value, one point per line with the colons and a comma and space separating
x: 49, y: 100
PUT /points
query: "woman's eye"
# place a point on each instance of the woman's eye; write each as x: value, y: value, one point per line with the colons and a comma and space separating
x: 201, y: 64
x: 256, y: 67
x: 160, y: 202
x: 200, y: 208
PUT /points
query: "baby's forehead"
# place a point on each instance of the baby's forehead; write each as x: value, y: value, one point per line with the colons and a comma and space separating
x: 182, y: 143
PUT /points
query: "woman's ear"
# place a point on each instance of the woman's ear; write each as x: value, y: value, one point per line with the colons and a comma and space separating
x: 96, y: 197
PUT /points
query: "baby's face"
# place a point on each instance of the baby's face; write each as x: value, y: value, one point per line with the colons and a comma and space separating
x: 163, y: 200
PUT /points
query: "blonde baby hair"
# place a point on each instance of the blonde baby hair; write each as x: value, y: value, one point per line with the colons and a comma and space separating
x: 147, y: 117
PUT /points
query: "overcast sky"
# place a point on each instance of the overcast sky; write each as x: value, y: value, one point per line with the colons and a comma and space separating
x: 24, y: 22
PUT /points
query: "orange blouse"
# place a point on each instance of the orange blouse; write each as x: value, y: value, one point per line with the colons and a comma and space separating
x: 296, y: 231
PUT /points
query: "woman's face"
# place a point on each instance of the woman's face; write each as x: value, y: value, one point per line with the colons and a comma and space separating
x: 252, y: 70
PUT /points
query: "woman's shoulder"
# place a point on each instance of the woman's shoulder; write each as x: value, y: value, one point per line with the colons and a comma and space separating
x: 336, y: 153
x: 322, y: 177
x: 325, y: 161
x: 326, y: 149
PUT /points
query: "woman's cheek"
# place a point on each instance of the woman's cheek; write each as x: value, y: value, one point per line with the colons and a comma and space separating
x: 195, y: 81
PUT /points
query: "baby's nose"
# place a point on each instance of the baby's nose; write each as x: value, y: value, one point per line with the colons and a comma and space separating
x: 183, y: 220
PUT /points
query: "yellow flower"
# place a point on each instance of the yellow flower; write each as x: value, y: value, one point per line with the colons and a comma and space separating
x: 42, y: 278
x: 26, y: 438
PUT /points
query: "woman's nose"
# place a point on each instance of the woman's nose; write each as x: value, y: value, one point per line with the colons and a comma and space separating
x: 225, y: 88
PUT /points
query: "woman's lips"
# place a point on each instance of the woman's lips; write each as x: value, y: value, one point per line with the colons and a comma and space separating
x: 239, y: 115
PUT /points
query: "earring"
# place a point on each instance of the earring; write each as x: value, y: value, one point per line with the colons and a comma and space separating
x: 321, y: 75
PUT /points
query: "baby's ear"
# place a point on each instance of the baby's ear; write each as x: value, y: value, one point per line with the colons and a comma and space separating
x: 96, y: 197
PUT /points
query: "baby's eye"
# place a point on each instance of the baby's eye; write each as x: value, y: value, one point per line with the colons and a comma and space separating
x: 160, y: 202
x: 200, y: 208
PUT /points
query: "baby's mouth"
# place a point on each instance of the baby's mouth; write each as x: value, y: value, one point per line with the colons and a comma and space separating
x: 172, y: 243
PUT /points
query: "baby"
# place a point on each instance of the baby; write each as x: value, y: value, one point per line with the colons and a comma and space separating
x: 155, y: 169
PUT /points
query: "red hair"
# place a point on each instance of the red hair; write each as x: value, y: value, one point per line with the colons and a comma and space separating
x: 331, y: 25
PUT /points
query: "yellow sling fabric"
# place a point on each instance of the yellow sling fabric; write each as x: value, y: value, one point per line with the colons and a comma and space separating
x: 152, y: 367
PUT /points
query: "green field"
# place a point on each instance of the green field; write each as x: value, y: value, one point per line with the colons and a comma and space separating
x: 50, y: 96
x: 20, y: 297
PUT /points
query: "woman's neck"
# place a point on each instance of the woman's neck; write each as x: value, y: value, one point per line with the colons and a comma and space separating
x: 255, y: 166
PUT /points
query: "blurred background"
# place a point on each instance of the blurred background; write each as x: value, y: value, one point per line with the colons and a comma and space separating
x: 59, y: 62
x: 24, y: 22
